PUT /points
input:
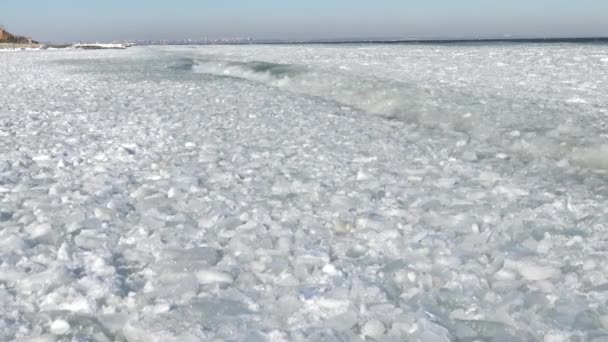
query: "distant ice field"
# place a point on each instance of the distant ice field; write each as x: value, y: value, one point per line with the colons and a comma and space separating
x: 305, y: 193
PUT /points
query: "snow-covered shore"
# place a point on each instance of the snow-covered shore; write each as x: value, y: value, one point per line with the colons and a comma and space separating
x: 100, y: 46
x: 304, y: 193
x: 14, y: 46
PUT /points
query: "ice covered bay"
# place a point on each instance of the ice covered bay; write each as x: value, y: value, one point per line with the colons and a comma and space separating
x: 304, y: 193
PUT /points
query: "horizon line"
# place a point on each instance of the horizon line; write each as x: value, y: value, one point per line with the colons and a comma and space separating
x: 379, y: 40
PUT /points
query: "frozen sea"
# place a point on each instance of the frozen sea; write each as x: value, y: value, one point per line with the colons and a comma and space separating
x: 257, y: 193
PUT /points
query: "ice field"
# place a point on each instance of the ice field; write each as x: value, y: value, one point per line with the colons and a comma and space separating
x: 305, y: 193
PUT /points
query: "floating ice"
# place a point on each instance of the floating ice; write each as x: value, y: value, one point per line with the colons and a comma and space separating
x: 298, y: 193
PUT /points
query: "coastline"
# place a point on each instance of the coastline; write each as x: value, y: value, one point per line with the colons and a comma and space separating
x: 97, y: 46
x: 18, y: 46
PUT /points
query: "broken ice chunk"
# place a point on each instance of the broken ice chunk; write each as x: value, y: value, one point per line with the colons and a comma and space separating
x: 36, y: 230
x: 59, y: 327
x: 373, y: 328
x: 342, y: 226
x: 103, y: 214
x: 213, y: 277
x: 532, y: 271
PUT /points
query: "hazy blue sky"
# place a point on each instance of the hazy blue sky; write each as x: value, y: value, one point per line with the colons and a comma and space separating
x: 67, y: 20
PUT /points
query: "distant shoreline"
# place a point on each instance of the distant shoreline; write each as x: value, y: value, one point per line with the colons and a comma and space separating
x: 98, y: 46
x: 459, y: 41
x: 580, y: 40
x: 583, y: 40
x: 18, y: 46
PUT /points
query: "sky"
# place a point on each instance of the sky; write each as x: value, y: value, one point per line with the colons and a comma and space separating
x: 107, y: 20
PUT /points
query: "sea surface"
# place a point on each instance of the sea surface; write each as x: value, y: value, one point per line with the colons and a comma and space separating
x: 316, y: 192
